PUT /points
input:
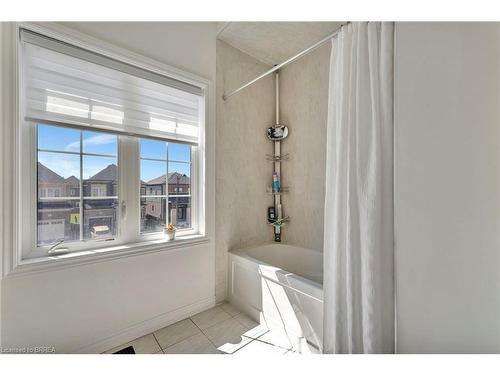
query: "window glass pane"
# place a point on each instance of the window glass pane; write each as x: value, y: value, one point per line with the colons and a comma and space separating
x: 179, y: 152
x: 179, y: 180
x: 57, y: 138
x: 180, y: 211
x: 58, y: 175
x: 99, y: 218
x: 153, y: 177
x: 58, y: 220
x: 153, y: 149
x: 54, y: 168
x: 100, y: 143
x: 100, y: 175
x: 153, y: 214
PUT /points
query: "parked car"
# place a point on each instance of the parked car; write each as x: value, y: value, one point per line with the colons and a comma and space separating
x: 100, y: 231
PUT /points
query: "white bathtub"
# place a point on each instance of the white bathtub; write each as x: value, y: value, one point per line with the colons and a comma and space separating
x: 280, y: 286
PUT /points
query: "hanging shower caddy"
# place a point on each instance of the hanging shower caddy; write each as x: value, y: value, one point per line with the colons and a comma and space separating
x: 276, y: 134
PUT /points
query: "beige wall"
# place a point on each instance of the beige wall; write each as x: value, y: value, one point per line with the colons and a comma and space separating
x: 447, y: 172
x: 304, y: 109
x: 242, y: 170
x: 241, y: 146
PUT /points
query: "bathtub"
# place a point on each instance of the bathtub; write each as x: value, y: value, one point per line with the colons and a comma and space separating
x: 280, y: 286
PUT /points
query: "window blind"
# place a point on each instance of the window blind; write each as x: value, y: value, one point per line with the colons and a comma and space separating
x: 66, y: 84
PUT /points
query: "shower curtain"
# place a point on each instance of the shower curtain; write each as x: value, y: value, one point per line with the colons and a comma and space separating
x: 358, y: 239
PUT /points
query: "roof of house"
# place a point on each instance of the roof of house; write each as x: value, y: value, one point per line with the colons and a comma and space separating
x: 72, y: 180
x: 48, y: 176
x: 173, y: 178
x: 177, y: 178
x: 110, y: 173
x: 156, y: 181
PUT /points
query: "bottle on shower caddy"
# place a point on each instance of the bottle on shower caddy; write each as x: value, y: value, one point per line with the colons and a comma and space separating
x: 271, y: 215
x: 278, y: 209
x: 276, y: 182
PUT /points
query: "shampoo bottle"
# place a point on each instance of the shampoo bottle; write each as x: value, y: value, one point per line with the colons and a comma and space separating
x: 276, y: 182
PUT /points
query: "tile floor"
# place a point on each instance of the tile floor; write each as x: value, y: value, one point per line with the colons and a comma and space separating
x: 219, y: 330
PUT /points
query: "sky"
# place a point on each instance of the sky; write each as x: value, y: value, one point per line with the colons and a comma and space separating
x: 66, y: 165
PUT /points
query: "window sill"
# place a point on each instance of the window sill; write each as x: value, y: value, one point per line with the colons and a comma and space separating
x: 47, y: 263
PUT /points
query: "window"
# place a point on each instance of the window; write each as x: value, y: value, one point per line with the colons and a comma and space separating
x: 165, y: 170
x: 98, y: 190
x: 114, y: 148
x: 76, y: 169
x: 78, y: 184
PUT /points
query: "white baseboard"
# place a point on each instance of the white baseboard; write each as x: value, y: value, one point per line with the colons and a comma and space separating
x: 146, y: 327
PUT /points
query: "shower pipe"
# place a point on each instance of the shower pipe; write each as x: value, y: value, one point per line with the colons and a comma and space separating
x: 286, y: 62
x: 277, y: 154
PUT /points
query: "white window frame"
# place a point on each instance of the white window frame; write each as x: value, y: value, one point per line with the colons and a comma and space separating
x: 28, y: 210
x: 26, y: 258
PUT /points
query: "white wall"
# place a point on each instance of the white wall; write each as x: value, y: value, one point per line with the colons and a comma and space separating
x: 74, y: 308
x: 186, y: 45
x: 447, y: 187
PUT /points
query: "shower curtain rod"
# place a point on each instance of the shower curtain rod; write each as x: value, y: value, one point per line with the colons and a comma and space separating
x: 286, y: 62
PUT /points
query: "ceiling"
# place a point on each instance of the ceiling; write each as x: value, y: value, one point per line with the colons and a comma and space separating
x: 274, y: 42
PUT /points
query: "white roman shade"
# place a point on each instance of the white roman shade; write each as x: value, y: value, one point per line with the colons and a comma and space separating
x: 69, y: 85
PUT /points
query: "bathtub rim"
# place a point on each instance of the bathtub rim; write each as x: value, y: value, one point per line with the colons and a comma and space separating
x: 243, y: 253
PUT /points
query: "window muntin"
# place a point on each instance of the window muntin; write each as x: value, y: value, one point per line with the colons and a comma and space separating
x: 165, y: 185
x: 77, y: 191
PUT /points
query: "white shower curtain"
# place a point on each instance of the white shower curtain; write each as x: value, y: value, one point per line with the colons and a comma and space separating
x: 358, y: 239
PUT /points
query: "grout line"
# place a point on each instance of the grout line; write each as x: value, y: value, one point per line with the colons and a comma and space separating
x: 227, y: 312
x: 208, y: 338
x: 161, y: 349
x: 251, y: 339
x: 269, y: 343
x: 257, y: 337
x: 230, y: 317
x: 185, y: 338
x: 195, y: 324
x: 244, y: 346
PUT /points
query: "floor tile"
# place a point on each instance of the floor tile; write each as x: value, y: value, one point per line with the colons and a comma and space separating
x: 176, y: 332
x: 143, y: 345
x: 197, y: 344
x: 277, y: 337
x: 228, y: 335
x: 210, y: 317
x: 230, y: 309
x: 254, y: 329
x: 261, y: 348
x: 246, y: 320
